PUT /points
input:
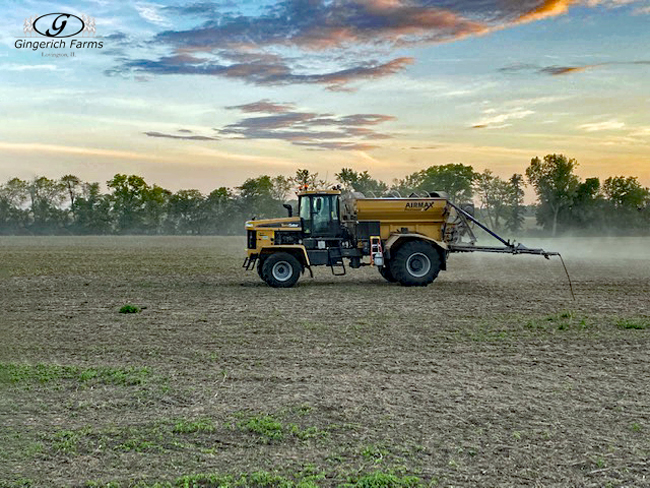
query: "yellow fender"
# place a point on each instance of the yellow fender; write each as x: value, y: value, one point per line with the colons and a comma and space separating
x: 442, y: 246
x: 297, y: 250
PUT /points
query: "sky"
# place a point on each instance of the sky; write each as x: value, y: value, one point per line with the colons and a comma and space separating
x: 206, y: 94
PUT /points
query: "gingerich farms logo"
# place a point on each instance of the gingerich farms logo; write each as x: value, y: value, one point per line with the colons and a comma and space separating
x: 61, y: 31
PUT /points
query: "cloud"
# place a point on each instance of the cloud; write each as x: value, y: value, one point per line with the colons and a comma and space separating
x: 246, y: 45
x: 199, y: 8
x: 262, y: 73
x: 151, y: 13
x: 494, y: 120
x: 117, y: 37
x: 518, y: 67
x: 641, y: 132
x: 548, y: 8
x: 554, y: 70
x: 565, y: 70
x: 264, y: 106
x: 329, y: 24
x: 308, y: 129
x: 174, y: 136
x: 558, y: 70
x: 30, y: 67
x: 83, y: 151
x: 340, y: 146
x: 320, y: 24
x: 612, y: 124
x: 419, y: 148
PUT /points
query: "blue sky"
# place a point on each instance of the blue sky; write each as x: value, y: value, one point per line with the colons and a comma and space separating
x: 205, y: 94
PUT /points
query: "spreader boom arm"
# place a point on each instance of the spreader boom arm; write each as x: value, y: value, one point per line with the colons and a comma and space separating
x: 507, y: 249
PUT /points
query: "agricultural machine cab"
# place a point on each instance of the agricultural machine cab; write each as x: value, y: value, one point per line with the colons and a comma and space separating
x: 320, y: 215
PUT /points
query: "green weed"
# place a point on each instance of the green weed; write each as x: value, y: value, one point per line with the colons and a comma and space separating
x: 566, y: 320
x: 304, y: 409
x: 267, y: 427
x: 257, y: 479
x: 189, y: 427
x: 639, y: 324
x: 374, y: 452
x: 17, y: 483
x: 128, y: 308
x: 65, y: 441
x: 12, y: 373
x: 599, y: 462
x: 308, y: 433
x: 379, y: 479
x: 138, y: 445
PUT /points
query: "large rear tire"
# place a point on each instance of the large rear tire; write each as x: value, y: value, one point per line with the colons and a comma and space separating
x: 416, y: 263
x: 386, y: 273
x: 281, y: 270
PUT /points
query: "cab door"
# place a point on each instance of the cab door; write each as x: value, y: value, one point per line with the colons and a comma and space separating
x: 320, y: 215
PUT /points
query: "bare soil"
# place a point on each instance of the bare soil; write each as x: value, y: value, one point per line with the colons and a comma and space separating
x: 491, y: 376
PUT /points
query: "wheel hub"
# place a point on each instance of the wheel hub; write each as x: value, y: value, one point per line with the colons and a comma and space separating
x: 282, y: 271
x: 418, y: 264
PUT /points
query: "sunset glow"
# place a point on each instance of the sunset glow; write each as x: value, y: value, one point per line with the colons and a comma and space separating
x: 200, y: 95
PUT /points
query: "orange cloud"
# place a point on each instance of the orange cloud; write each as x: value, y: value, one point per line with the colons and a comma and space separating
x: 566, y: 70
x: 550, y: 8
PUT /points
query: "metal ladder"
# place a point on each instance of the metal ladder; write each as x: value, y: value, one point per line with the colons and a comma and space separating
x: 335, y: 259
x: 249, y: 262
x: 375, y: 247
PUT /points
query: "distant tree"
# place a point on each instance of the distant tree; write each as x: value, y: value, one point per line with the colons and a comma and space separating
x: 46, y: 197
x: 515, y: 199
x: 586, y: 208
x: 186, y: 212
x: 156, y: 207
x: 406, y: 185
x: 68, y: 204
x: 92, y: 211
x: 257, y: 197
x: 361, y: 182
x: 128, y: 197
x: 14, y: 217
x: 72, y: 185
x: 281, y: 188
x: 455, y: 179
x: 304, y: 179
x: 627, y: 201
x: 626, y: 192
x: 221, y: 214
x: 347, y: 177
x: 493, y: 193
x: 555, y: 184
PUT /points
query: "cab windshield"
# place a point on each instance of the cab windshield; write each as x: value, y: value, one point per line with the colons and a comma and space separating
x: 320, y: 214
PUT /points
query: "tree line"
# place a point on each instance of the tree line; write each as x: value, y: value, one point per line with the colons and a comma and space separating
x: 69, y: 205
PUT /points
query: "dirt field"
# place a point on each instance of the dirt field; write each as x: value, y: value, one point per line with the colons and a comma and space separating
x: 492, y: 376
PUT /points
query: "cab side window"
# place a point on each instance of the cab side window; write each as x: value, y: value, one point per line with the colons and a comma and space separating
x: 321, y: 215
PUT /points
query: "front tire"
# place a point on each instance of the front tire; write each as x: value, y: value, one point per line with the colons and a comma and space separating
x: 416, y: 263
x: 281, y: 270
x: 260, y: 265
